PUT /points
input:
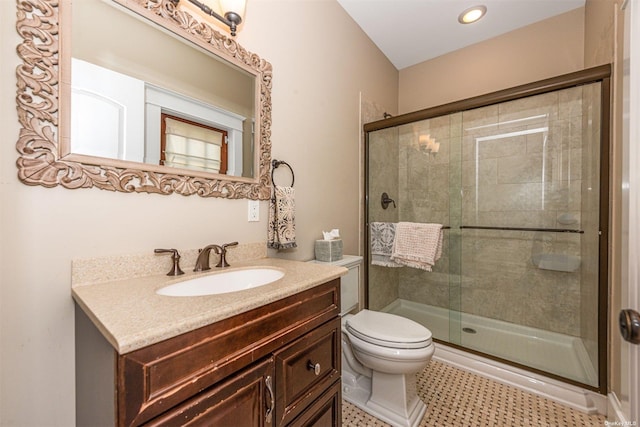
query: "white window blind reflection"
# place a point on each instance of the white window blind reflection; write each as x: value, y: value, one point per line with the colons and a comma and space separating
x: 192, y: 147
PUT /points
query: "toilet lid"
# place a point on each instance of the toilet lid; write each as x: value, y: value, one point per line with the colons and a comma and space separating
x: 388, y: 330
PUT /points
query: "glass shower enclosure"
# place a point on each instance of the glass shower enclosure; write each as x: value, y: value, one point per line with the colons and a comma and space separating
x: 519, y: 181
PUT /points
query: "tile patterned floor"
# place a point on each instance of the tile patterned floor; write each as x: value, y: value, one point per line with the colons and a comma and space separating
x: 459, y: 398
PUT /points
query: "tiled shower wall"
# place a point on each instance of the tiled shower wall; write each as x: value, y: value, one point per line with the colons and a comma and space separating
x: 526, y: 163
x: 427, y: 195
x: 383, y: 177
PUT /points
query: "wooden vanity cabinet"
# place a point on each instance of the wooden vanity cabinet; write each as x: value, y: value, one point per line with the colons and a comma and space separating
x: 275, y: 365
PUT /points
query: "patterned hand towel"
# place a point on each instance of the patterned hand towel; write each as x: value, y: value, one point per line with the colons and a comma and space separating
x: 382, y: 236
x: 282, y: 227
x: 417, y: 245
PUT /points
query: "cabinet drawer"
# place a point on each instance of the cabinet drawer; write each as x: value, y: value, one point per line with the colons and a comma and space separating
x: 242, y: 401
x: 305, y: 369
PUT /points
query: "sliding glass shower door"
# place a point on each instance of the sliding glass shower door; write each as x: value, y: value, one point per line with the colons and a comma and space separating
x: 530, y: 231
x: 520, y: 189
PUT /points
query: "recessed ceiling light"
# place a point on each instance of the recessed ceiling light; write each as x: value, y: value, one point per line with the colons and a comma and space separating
x: 472, y: 14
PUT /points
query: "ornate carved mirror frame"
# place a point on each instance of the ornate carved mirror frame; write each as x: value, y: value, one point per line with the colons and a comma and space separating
x: 43, y: 81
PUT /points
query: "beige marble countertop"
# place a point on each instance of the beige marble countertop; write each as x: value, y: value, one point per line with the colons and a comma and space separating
x: 131, y: 315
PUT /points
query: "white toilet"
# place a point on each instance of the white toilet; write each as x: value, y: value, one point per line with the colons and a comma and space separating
x: 381, y: 355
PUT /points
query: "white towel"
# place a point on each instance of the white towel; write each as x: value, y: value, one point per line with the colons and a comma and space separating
x: 382, y: 237
x: 417, y: 245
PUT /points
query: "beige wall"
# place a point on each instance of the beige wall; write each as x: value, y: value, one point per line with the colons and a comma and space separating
x: 541, y: 50
x: 321, y: 62
x: 601, y: 29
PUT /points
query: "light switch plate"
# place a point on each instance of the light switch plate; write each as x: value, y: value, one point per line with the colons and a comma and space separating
x: 254, y: 210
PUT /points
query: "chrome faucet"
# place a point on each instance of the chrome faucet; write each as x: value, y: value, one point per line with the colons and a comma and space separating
x: 202, y: 263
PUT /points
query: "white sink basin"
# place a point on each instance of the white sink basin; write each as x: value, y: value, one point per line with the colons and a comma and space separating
x: 223, y: 282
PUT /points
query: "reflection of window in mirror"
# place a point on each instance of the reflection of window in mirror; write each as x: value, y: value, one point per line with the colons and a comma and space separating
x: 191, y: 145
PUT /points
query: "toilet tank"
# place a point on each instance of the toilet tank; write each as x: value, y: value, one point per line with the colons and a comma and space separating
x: 350, y: 283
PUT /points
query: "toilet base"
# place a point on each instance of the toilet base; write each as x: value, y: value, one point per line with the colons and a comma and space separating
x: 391, y: 398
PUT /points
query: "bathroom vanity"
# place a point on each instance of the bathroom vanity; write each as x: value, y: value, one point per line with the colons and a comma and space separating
x: 276, y: 363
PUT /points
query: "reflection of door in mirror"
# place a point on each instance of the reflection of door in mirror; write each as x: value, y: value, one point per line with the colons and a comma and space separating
x: 108, y: 113
x: 190, y: 145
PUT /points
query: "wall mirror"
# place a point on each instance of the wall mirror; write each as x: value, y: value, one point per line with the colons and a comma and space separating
x: 120, y: 110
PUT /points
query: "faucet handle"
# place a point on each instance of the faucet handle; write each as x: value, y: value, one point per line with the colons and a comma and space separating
x: 223, y: 254
x: 226, y: 245
x: 175, y: 257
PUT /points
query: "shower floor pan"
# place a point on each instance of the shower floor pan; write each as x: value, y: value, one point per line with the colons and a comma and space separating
x: 558, y: 354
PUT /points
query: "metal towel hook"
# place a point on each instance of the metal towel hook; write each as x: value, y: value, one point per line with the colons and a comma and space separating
x: 385, y: 200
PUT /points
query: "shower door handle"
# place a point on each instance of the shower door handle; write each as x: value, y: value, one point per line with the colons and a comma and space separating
x: 629, y: 322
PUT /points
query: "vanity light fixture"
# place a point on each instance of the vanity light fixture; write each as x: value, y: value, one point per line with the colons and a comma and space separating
x: 232, y: 11
x: 472, y: 14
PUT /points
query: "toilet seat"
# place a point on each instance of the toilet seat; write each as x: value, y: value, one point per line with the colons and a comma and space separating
x: 388, y: 330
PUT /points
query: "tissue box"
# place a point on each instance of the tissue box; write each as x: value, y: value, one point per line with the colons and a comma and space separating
x: 328, y: 250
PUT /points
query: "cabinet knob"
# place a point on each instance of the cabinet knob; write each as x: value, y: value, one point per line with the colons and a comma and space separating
x: 313, y: 367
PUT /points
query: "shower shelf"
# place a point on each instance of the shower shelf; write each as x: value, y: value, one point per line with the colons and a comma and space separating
x: 556, y: 262
x: 552, y: 230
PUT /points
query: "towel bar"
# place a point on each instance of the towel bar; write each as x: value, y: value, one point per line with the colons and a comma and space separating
x: 551, y: 230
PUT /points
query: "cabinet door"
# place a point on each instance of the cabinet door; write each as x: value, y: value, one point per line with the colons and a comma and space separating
x: 324, y: 412
x: 245, y: 400
x: 305, y: 369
